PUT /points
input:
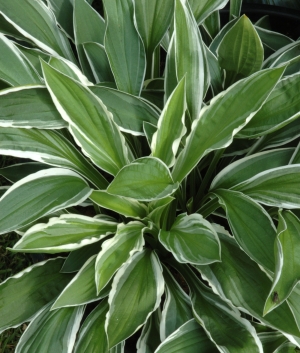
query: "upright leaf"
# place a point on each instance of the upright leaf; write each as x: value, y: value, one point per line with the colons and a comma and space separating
x: 149, y: 339
x: 202, y: 9
x: 63, y: 11
x: 124, y: 47
x: 235, y: 8
x: 97, y: 134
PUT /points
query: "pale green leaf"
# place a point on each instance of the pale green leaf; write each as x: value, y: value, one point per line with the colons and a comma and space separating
x: 97, y: 134
x: 124, y: 47
x: 39, y: 194
x: 202, y: 9
x: 224, y: 117
x: 20, y: 299
x: 145, y: 179
x: 134, y: 296
x: 117, y: 250
x: 51, y: 331
x: 170, y: 70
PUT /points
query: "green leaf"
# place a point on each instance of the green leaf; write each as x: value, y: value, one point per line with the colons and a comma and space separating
x: 28, y: 17
x: 251, y: 286
x: 240, y: 52
x: 287, y: 347
x: 98, y: 61
x: 273, y: 40
x: 151, y: 179
x: 287, y: 258
x: 63, y: 11
x: 170, y: 127
x: 17, y: 172
x: 278, y: 187
x: 224, y: 117
x: 280, y: 109
x: 190, y: 59
x: 51, y: 331
x: 219, y: 37
x: 189, y: 338
x: 20, y: 299
x: 215, y: 71
x: 117, y: 250
x: 293, y: 303
x: 48, y: 147
x: 235, y: 8
x: 27, y: 107
x: 251, y: 226
x: 247, y: 167
x: 177, y: 308
x: 192, y: 239
x: 134, y: 296
x: 212, y: 24
x: 124, y: 47
x: 202, y: 9
x: 130, y: 113
x: 287, y: 52
x: 82, y: 289
x: 66, y: 233
x: 170, y: 70
x: 14, y: 68
x: 221, y: 321
x: 97, y: 134
x: 149, y: 339
x: 39, y: 194
x: 271, y: 340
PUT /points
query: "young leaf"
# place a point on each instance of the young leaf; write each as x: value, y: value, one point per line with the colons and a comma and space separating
x: 124, y: 47
x: 134, y: 296
x: 150, y: 177
x: 97, y: 134
x: 149, y: 338
x: 235, y: 8
x: 117, y: 250
x: 54, y: 331
x: 170, y: 70
x: 66, y: 233
x: 170, y: 127
x: 192, y: 239
x: 202, y: 9
x: 287, y: 270
x: 20, y: 299
x: 224, y: 117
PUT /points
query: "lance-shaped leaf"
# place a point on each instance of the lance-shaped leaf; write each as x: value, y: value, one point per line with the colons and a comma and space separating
x: 149, y: 338
x: 14, y: 68
x: 192, y: 239
x: 98, y: 61
x: 287, y: 257
x: 215, y: 71
x: 235, y: 8
x: 29, y: 107
x: 63, y: 11
x: 130, y: 113
x: 97, y: 134
x: 251, y: 286
x: 48, y: 147
x: 157, y: 209
x: 287, y: 347
x: 51, y: 331
x: 39, y: 194
x: 170, y: 127
x: 177, y: 307
x: 20, y: 299
x: 221, y: 321
x: 202, y: 9
x: 224, y: 117
x: 153, y: 18
x: 280, y: 109
x: 289, y: 51
x: 270, y: 39
x: 190, y: 59
x: 217, y: 40
x: 28, y: 17
x: 251, y: 226
x: 89, y: 26
x: 293, y: 303
x: 66, y: 233
x: 82, y: 289
x: 134, y: 296
x: 145, y: 179
x: 240, y: 52
x: 123, y: 205
x: 19, y: 171
x: 170, y: 70
x: 124, y: 47
x: 247, y: 167
x: 117, y: 250
x: 278, y: 187
x: 188, y: 338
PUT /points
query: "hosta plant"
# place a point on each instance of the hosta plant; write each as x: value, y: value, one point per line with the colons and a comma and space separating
x: 157, y: 168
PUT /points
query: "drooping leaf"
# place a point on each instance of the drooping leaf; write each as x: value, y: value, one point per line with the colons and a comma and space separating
x: 224, y: 117
x: 20, y: 299
x: 202, y: 9
x: 124, y: 47
x: 39, y: 194
x: 97, y: 134
x: 191, y: 239
x: 150, y: 177
x: 51, y: 331
x: 117, y: 250
x: 66, y: 233
x: 134, y: 296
